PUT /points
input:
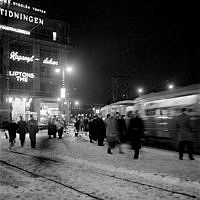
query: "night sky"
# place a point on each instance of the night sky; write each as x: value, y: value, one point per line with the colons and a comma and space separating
x: 152, y: 42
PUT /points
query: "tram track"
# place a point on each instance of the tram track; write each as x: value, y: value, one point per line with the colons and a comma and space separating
x: 96, y: 172
x: 145, y: 184
x: 35, y: 175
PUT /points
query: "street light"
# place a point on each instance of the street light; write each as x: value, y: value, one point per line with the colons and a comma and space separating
x: 170, y: 86
x: 63, y: 96
x: 140, y: 91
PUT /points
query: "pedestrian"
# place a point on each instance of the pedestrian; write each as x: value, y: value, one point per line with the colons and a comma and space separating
x: 77, y: 127
x: 185, y: 136
x: 85, y: 122
x: 32, y: 126
x: 99, y: 129
x: 12, y: 129
x: 91, y: 130
x: 113, y: 133
x: 135, y: 133
x: 122, y: 127
x: 22, y: 129
x: 60, y: 127
x: 52, y: 128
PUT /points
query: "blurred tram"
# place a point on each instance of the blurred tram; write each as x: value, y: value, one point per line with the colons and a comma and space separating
x: 159, y: 111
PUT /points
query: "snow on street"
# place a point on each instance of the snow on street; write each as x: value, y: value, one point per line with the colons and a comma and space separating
x: 73, y: 168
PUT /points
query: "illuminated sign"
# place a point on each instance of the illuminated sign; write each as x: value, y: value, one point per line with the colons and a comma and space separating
x: 5, y: 2
x: 21, y: 16
x: 21, y: 76
x: 14, y: 55
x: 17, y: 30
x: 50, y: 61
x: 21, y: 5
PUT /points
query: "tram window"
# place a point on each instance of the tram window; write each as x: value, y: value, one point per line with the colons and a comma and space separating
x: 150, y: 112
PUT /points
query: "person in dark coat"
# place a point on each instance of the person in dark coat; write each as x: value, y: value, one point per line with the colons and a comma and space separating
x: 32, y: 129
x: 113, y: 132
x: 60, y: 127
x: 91, y: 130
x: 122, y: 127
x: 185, y: 136
x: 77, y: 127
x: 135, y: 133
x: 22, y: 129
x: 12, y: 129
x: 99, y: 130
x: 52, y: 128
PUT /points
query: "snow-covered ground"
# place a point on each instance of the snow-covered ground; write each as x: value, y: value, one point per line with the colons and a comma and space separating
x: 73, y: 168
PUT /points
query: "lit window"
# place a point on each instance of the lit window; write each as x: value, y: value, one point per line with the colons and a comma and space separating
x: 54, y: 36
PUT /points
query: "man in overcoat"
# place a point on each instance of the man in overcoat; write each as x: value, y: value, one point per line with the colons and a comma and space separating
x: 32, y: 129
x: 99, y: 130
x: 185, y: 136
x: 22, y: 129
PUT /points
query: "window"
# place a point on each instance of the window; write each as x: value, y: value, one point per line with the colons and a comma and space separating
x: 54, y: 36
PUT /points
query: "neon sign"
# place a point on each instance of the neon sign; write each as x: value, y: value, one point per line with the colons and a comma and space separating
x: 21, y: 76
x: 17, y: 30
x: 14, y: 55
x: 50, y: 61
x: 21, y: 16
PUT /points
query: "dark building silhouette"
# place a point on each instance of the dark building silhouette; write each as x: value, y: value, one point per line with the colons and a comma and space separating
x: 32, y: 45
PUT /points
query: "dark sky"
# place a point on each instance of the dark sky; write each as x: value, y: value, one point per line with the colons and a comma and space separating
x: 153, y: 42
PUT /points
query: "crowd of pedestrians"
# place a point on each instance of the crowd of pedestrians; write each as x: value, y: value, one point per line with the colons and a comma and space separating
x: 114, y: 130
x: 117, y: 129
x: 22, y: 128
x: 56, y: 125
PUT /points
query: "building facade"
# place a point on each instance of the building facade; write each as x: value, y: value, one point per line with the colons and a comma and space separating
x: 32, y: 46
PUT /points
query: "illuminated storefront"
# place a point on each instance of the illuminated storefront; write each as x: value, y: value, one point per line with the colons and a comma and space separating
x: 33, y: 46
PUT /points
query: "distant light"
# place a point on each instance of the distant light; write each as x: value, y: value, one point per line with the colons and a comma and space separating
x: 57, y: 70
x: 65, y: 102
x: 69, y: 69
x: 170, y: 86
x: 76, y: 103
x: 58, y: 99
x: 140, y: 90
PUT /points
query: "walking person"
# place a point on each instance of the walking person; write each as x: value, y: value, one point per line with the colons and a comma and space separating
x: 113, y: 133
x: 22, y: 129
x: 77, y: 127
x: 52, y: 128
x: 135, y: 133
x: 32, y: 126
x: 60, y: 127
x: 12, y: 129
x: 122, y: 127
x: 185, y: 136
x: 99, y: 130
